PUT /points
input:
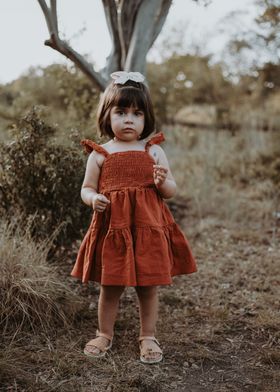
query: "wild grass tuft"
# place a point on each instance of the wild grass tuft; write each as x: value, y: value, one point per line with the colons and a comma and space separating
x: 32, y: 296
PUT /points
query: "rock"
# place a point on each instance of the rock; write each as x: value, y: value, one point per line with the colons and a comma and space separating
x: 197, y: 115
x: 194, y: 366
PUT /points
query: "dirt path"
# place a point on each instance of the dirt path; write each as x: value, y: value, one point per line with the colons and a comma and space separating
x: 219, y: 328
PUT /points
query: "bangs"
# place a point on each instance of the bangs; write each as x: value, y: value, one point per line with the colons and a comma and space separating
x: 129, y: 96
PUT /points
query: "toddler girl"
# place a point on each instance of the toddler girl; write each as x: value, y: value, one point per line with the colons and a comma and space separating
x: 133, y: 239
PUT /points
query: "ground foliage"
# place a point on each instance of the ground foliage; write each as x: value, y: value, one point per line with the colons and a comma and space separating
x: 219, y: 329
x: 39, y: 176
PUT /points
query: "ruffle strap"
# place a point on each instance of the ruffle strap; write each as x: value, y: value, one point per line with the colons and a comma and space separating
x: 89, y: 146
x: 156, y: 139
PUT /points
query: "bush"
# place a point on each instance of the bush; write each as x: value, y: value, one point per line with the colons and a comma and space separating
x: 41, y: 178
x: 32, y: 296
x: 65, y: 91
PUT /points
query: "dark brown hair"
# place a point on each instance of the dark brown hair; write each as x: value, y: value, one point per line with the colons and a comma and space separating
x: 125, y: 95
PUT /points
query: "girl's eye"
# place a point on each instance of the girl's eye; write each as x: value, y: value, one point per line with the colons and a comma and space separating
x: 139, y: 113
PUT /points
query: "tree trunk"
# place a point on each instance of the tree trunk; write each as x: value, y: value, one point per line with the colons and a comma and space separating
x: 133, y: 26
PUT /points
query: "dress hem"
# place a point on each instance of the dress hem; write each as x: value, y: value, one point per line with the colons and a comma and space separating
x: 164, y: 281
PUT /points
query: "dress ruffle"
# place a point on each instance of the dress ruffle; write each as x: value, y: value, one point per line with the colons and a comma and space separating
x: 156, y: 139
x: 137, y: 258
x: 143, y: 247
x: 89, y: 146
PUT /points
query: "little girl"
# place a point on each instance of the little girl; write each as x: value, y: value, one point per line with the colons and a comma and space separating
x: 133, y: 239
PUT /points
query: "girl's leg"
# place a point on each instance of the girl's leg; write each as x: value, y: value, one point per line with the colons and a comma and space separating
x: 107, y: 311
x: 148, y: 310
x: 108, y: 308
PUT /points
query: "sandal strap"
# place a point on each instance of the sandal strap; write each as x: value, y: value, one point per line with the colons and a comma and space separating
x: 103, y: 335
x: 94, y: 343
x: 148, y: 338
x: 149, y: 350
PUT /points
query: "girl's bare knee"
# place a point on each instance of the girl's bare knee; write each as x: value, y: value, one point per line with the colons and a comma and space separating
x: 146, y: 291
x: 111, y: 292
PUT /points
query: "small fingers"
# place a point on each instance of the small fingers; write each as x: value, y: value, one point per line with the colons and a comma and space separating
x: 160, y: 178
x: 159, y: 168
x: 100, y: 202
x: 160, y: 173
x: 102, y: 199
x: 100, y: 207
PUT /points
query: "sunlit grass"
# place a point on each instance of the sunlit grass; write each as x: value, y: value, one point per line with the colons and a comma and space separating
x: 217, y: 171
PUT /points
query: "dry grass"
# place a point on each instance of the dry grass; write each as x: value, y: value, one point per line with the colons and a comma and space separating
x: 219, y: 328
x: 34, y: 303
x: 31, y: 294
x: 217, y: 171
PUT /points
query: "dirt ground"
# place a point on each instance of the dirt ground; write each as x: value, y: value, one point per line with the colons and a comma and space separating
x: 218, y: 328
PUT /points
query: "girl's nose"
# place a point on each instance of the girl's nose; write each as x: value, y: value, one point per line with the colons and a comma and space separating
x: 128, y: 118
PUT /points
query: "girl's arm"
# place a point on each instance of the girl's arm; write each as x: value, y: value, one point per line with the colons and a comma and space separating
x: 89, y: 193
x: 163, y: 177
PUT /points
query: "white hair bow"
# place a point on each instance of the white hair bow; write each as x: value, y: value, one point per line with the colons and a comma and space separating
x: 121, y: 77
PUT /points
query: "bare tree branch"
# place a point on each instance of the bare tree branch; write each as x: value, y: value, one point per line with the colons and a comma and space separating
x: 46, y: 12
x: 61, y: 46
x: 71, y: 54
x: 114, y: 60
x: 121, y: 33
x: 54, y: 15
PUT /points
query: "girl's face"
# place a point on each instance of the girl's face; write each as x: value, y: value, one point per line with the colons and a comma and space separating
x: 127, y: 123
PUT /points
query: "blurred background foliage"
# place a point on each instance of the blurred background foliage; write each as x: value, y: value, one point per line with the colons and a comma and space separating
x: 46, y: 111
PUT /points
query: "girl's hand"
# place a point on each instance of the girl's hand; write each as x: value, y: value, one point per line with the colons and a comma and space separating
x: 99, y: 202
x: 160, y: 174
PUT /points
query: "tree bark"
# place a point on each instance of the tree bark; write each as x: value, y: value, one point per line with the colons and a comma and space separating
x: 114, y: 60
x: 150, y: 18
x: 133, y: 26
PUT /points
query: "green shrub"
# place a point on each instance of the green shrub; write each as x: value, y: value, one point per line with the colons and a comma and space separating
x: 41, y: 178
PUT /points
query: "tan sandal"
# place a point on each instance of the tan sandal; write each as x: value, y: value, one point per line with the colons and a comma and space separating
x: 94, y: 343
x: 145, y: 354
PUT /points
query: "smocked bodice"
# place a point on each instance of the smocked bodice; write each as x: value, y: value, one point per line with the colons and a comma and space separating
x: 126, y: 169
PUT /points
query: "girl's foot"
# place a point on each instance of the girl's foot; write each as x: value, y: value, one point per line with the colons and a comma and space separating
x: 150, y: 352
x: 98, y: 346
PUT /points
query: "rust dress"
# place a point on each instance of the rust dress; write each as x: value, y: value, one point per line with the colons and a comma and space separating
x: 135, y: 241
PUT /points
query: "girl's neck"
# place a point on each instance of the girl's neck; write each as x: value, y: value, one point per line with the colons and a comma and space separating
x: 117, y: 145
x: 131, y: 142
